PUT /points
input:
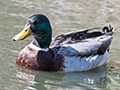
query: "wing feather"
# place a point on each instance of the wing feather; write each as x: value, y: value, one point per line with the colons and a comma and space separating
x: 87, y: 47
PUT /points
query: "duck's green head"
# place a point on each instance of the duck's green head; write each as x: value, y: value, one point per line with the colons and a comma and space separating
x: 39, y: 26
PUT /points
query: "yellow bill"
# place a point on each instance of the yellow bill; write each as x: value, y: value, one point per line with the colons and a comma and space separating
x: 26, y: 32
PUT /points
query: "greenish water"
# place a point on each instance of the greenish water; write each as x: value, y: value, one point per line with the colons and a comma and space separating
x: 65, y: 16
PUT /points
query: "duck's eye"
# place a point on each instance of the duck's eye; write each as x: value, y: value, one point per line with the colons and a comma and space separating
x: 37, y: 22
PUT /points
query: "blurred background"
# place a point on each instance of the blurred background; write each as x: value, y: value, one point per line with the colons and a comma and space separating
x: 65, y: 16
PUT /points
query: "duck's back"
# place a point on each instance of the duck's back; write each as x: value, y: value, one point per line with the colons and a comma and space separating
x: 87, y: 52
x: 78, y: 36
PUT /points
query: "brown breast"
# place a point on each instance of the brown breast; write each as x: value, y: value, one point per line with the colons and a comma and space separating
x: 28, y: 58
x: 40, y: 60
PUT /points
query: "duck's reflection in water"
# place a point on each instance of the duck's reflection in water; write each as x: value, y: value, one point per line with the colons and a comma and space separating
x: 92, y: 79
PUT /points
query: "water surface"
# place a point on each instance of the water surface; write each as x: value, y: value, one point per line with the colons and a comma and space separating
x: 65, y: 16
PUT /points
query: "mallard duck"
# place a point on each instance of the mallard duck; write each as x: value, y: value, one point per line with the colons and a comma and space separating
x: 75, y: 51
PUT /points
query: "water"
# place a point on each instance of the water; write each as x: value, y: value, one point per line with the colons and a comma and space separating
x: 65, y: 16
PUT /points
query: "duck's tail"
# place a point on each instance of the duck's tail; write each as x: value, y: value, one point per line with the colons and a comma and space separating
x: 108, y: 29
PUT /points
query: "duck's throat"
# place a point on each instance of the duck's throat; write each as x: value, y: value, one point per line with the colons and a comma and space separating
x: 34, y: 44
x: 42, y: 42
